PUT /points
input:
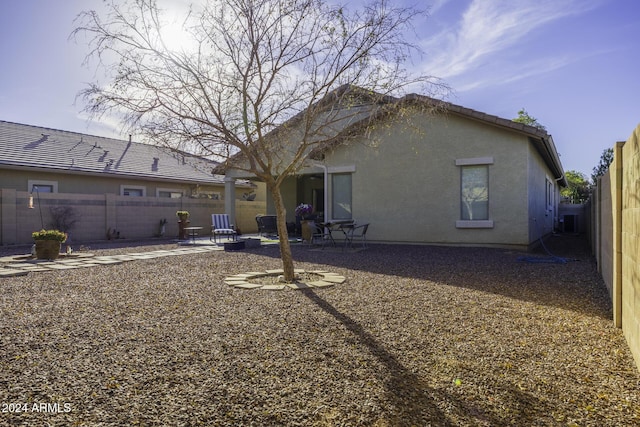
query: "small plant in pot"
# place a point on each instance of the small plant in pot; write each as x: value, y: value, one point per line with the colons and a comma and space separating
x: 303, y: 211
x: 183, y: 222
x: 182, y: 215
x: 48, y: 243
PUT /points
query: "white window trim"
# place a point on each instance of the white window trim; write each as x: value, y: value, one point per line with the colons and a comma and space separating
x: 481, y: 223
x: 474, y: 161
x: 550, y: 194
x: 133, y: 187
x: 36, y: 182
x: 341, y: 169
x: 168, y: 190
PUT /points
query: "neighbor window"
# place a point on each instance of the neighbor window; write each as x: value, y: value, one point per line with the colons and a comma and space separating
x: 474, y: 192
x: 42, y: 186
x: 133, y: 190
x: 173, y: 194
x: 341, y: 196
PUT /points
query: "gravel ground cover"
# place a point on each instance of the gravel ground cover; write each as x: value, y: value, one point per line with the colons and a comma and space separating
x: 416, y: 336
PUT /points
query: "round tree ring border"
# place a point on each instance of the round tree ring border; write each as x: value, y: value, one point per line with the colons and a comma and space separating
x: 243, y: 280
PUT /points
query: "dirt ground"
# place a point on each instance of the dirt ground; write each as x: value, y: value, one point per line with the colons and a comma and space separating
x: 417, y: 335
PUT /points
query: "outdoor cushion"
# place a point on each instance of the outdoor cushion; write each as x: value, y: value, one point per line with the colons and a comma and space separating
x: 221, y: 226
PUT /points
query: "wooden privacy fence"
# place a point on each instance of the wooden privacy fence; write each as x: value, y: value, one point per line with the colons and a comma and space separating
x: 100, y: 215
x: 615, y: 236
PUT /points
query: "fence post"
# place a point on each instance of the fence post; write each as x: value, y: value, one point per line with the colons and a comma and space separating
x: 111, y: 212
x: 8, y: 218
x: 616, y: 196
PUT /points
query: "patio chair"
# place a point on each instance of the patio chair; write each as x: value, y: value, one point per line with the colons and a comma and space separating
x: 221, y: 226
x: 267, y: 224
x: 321, y: 236
x: 355, y: 232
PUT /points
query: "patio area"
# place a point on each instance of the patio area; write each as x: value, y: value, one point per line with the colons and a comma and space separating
x: 416, y: 335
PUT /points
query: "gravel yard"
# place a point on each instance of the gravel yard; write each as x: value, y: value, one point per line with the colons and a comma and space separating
x: 424, y: 336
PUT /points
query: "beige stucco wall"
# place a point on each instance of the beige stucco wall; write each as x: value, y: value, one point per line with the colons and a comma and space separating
x: 89, y: 184
x: 542, y: 214
x: 408, y: 185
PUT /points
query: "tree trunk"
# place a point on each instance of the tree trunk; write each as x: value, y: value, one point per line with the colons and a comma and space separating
x: 283, y: 234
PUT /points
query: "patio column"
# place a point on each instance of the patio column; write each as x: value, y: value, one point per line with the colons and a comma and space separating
x: 230, y: 198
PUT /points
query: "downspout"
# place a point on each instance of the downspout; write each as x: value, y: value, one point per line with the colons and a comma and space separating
x: 326, y: 190
x: 556, y: 206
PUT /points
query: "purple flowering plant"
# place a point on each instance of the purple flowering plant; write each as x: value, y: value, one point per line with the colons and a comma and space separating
x: 303, y: 209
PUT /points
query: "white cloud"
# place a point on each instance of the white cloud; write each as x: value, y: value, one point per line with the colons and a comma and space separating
x: 437, y: 5
x: 521, y: 71
x: 488, y: 28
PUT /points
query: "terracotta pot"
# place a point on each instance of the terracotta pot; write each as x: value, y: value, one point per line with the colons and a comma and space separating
x: 182, y: 233
x: 306, y: 229
x: 47, y: 249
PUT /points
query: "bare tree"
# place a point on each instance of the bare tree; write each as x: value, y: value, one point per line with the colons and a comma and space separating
x: 258, y: 80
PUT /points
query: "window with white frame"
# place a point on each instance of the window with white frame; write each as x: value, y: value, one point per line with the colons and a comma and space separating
x: 169, y: 193
x: 341, y: 196
x: 133, y: 190
x: 42, y: 186
x: 474, y: 192
x: 549, y: 193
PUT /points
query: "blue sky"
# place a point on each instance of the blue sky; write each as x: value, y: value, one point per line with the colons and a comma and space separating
x: 572, y: 64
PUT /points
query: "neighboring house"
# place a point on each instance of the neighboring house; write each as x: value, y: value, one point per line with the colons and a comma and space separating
x: 78, y: 170
x: 437, y: 173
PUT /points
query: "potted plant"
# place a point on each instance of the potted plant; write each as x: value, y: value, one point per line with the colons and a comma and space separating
x: 64, y: 219
x: 48, y: 243
x: 182, y: 223
x: 303, y: 211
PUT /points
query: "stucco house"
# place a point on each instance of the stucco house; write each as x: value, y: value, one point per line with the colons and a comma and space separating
x: 112, y: 184
x: 431, y: 173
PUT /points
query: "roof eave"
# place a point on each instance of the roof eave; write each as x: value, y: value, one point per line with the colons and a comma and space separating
x: 114, y: 175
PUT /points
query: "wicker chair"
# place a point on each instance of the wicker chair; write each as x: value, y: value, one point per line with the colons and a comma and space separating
x: 267, y: 224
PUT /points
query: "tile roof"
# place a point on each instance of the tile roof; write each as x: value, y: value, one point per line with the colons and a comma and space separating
x: 539, y: 138
x: 25, y: 146
x: 364, y: 106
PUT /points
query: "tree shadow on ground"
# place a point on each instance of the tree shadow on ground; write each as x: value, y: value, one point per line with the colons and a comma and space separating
x: 413, y: 402
x: 574, y: 285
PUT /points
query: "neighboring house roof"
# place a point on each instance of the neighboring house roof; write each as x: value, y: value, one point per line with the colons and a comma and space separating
x: 371, y: 107
x: 32, y: 147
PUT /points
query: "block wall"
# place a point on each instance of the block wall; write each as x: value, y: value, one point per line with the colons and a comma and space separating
x: 131, y: 217
x: 616, y: 240
x: 630, y: 236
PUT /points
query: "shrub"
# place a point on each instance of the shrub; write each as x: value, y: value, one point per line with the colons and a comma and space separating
x: 49, y: 235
